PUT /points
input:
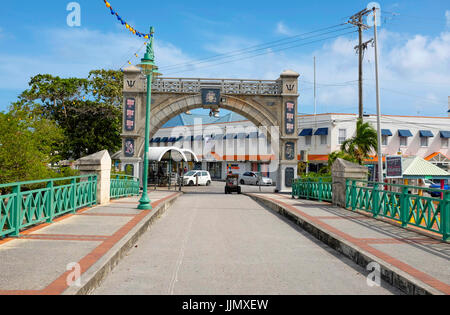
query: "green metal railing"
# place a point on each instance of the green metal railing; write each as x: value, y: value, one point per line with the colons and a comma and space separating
x: 124, y: 186
x: 397, y: 202
x: 29, y: 203
x: 321, y: 189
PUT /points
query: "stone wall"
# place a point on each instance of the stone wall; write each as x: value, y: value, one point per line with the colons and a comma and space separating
x: 341, y: 171
x: 99, y: 164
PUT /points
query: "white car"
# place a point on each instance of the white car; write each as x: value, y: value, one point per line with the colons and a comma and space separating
x: 253, y: 178
x: 201, y: 178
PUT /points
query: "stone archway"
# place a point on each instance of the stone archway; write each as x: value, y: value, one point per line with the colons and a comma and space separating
x: 264, y: 103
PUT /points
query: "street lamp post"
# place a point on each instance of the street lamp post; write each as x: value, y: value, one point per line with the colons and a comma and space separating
x: 148, y: 69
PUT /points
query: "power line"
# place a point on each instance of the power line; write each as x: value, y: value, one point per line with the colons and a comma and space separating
x: 430, y: 19
x: 225, y: 57
x: 250, y: 49
x: 265, y: 53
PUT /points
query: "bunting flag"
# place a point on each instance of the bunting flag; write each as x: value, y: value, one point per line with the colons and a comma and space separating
x: 128, y: 26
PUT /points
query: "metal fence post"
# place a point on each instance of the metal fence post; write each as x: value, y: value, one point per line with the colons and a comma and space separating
x: 320, y: 189
x: 73, y: 195
x: 16, y: 210
x: 375, y: 200
x: 347, y: 192
x: 404, y: 209
x: 95, y: 188
x: 445, y: 217
x: 353, y: 192
x: 50, y: 199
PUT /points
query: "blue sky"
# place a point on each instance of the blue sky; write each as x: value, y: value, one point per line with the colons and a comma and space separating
x: 414, y: 40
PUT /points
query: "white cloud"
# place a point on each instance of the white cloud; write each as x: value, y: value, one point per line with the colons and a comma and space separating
x: 75, y: 52
x: 283, y: 29
x: 414, y: 70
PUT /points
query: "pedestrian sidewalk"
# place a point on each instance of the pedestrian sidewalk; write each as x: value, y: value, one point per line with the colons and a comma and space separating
x: 410, y: 261
x: 46, y: 258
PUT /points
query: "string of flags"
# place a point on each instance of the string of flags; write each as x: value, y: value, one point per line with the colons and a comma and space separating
x: 128, y: 26
x: 134, y: 55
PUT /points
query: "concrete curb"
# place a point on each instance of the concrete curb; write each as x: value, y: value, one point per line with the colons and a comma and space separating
x: 389, y: 273
x: 94, y: 276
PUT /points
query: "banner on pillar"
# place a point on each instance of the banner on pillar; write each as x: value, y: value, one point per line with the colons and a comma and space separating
x: 290, y: 118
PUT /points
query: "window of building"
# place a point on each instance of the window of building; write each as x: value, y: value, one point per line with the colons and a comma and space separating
x: 308, y: 140
x: 444, y: 143
x: 342, y: 135
x: 424, y: 142
x: 404, y: 141
x: 385, y: 140
x: 323, y: 139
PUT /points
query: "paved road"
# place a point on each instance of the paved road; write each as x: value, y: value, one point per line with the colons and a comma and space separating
x: 211, y: 243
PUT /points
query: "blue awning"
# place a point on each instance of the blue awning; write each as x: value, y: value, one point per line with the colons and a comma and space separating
x: 386, y: 132
x: 321, y: 132
x: 179, y: 139
x: 172, y: 139
x: 165, y: 140
x: 426, y: 134
x: 405, y: 133
x: 240, y: 136
x: 253, y: 135
x: 229, y: 136
x: 306, y: 133
x: 445, y: 134
x: 156, y: 140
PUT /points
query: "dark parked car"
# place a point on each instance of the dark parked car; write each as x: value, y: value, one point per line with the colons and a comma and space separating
x: 232, y: 184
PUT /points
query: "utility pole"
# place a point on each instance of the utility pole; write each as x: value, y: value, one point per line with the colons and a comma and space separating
x: 380, y: 153
x: 357, y: 20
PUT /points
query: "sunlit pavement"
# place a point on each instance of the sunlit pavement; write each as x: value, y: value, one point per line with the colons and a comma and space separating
x: 212, y: 243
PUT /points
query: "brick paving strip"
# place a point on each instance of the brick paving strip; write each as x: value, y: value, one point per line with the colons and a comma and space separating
x: 123, y: 225
x: 411, y: 262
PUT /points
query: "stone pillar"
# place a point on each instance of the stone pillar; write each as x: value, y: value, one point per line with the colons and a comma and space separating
x: 99, y: 164
x: 288, y: 131
x: 134, y: 106
x: 341, y: 171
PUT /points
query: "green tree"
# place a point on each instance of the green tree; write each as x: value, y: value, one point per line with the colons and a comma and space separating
x: 89, y: 111
x: 27, y: 147
x: 361, y: 145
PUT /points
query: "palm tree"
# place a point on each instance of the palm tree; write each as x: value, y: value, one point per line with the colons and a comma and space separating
x: 361, y: 145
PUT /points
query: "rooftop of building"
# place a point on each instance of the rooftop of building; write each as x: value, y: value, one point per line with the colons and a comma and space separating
x: 189, y: 120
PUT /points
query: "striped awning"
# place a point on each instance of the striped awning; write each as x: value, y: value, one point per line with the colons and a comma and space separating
x: 155, y: 140
x: 165, y: 140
